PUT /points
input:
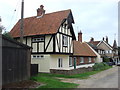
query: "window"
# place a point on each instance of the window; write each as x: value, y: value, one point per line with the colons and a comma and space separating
x: 81, y: 60
x: 37, y: 56
x: 89, y: 59
x: 99, y: 51
x: 65, y: 40
x: 38, y: 39
x: 110, y: 51
x: 107, y: 51
x: 34, y: 56
x: 70, y: 61
x: 59, y: 62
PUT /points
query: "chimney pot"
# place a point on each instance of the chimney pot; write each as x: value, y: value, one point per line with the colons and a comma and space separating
x: 40, y: 11
x: 92, y: 39
x: 106, y: 39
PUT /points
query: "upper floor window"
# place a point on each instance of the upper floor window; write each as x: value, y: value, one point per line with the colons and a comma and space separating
x: 65, y: 40
x: 81, y: 60
x: 37, y: 39
x: 89, y: 59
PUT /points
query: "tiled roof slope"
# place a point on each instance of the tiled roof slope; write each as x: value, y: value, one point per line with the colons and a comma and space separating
x: 82, y: 49
x: 94, y: 42
x: 48, y: 24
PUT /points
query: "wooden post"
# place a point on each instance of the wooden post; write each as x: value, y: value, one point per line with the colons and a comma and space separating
x: 74, y: 62
x: 21, y: 21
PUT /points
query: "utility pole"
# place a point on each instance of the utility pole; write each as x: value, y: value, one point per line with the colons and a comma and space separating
x: 21, y: 22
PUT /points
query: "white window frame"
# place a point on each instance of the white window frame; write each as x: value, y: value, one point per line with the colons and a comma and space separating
x: 60, y: 62
x: 70, y: 61
x: 38, y: 56
x: 38, y: 39
x: 81, y: 59
x: 65, y: 40
x: 89, y: 59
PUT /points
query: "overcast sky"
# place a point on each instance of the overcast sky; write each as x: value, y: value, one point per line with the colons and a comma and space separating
x: 95, y: 18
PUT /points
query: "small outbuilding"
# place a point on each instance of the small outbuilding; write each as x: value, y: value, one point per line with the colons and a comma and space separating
x: 16, y: 58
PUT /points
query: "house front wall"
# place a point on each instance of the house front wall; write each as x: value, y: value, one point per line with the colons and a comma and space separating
x: 48, y: 62
x: 63, y: 36
x: 54, y: 63
x: 98, y: 58
x: 108, y: 50
x: 43, y: 62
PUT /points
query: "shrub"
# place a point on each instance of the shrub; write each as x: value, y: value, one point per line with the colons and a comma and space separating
x: 105, y: 59
x: 100, y: 66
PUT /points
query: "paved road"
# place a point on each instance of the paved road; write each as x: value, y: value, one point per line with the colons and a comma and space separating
x: 109, y: 79
x: 104, y: 79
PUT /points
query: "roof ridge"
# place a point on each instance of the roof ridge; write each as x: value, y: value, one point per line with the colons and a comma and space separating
x: 47, y: 13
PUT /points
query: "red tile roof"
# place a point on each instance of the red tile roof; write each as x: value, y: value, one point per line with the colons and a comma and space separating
x: 82, y: 49
x: 48, y: 24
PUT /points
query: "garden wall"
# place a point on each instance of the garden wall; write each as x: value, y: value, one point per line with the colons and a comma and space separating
x: 71, y: 72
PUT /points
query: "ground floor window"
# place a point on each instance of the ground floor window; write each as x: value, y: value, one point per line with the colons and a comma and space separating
x: 70, y: 61
x: 89, y: 59
x: 60, y: 62
x: 81, y: 60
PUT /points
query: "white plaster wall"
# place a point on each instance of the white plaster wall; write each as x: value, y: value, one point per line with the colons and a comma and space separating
x: 43, y: 63
x: 34, y: 47
x: 29, y: 41
x: 57, y: 43
x: 41, y: 47
x: 54, y: 62
x: 50, y: 47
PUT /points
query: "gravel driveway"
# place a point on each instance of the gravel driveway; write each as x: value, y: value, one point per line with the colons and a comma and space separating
x: 104, y: 79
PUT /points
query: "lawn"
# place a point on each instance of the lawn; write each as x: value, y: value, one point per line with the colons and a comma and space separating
x: 51, y: 81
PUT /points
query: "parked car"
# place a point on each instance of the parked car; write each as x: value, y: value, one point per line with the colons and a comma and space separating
x: 110, y: 63
x: 118, y: 64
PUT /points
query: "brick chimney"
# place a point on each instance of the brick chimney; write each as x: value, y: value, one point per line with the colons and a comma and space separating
x: 106, y: 39
x: 103, y: 39
x: 80, y: 36
x: 40, y: 11
x: 92, y: 39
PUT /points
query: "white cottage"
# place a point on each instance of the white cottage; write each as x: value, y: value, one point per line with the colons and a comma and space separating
x: 50, y: 35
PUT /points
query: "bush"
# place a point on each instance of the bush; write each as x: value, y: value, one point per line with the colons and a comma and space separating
x: 105, y: 59
x: 100, y: 66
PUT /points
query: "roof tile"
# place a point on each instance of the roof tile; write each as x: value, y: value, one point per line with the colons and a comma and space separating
x: 48, y: 24
x: 82, y: 49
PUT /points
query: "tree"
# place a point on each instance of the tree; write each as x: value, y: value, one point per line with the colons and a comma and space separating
x: 1, y: 26
x: 7, y: 34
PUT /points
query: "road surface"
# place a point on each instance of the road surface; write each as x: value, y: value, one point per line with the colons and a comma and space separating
x: 104, y: 79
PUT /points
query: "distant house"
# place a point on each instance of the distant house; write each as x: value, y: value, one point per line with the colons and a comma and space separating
x: 50, y: 35
x: 116, y: 58
x: 83, y: 55
x: 16, y: 58
x: 105, y: 49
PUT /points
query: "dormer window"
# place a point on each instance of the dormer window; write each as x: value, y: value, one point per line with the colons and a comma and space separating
x: 38, y: 39
x: 65, y: 40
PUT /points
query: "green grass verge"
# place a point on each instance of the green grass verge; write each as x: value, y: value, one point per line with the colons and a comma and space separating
x: 51, y: 82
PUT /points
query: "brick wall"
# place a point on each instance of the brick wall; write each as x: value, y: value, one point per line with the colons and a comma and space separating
x: 71, y: 72
x: 85, y: 60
